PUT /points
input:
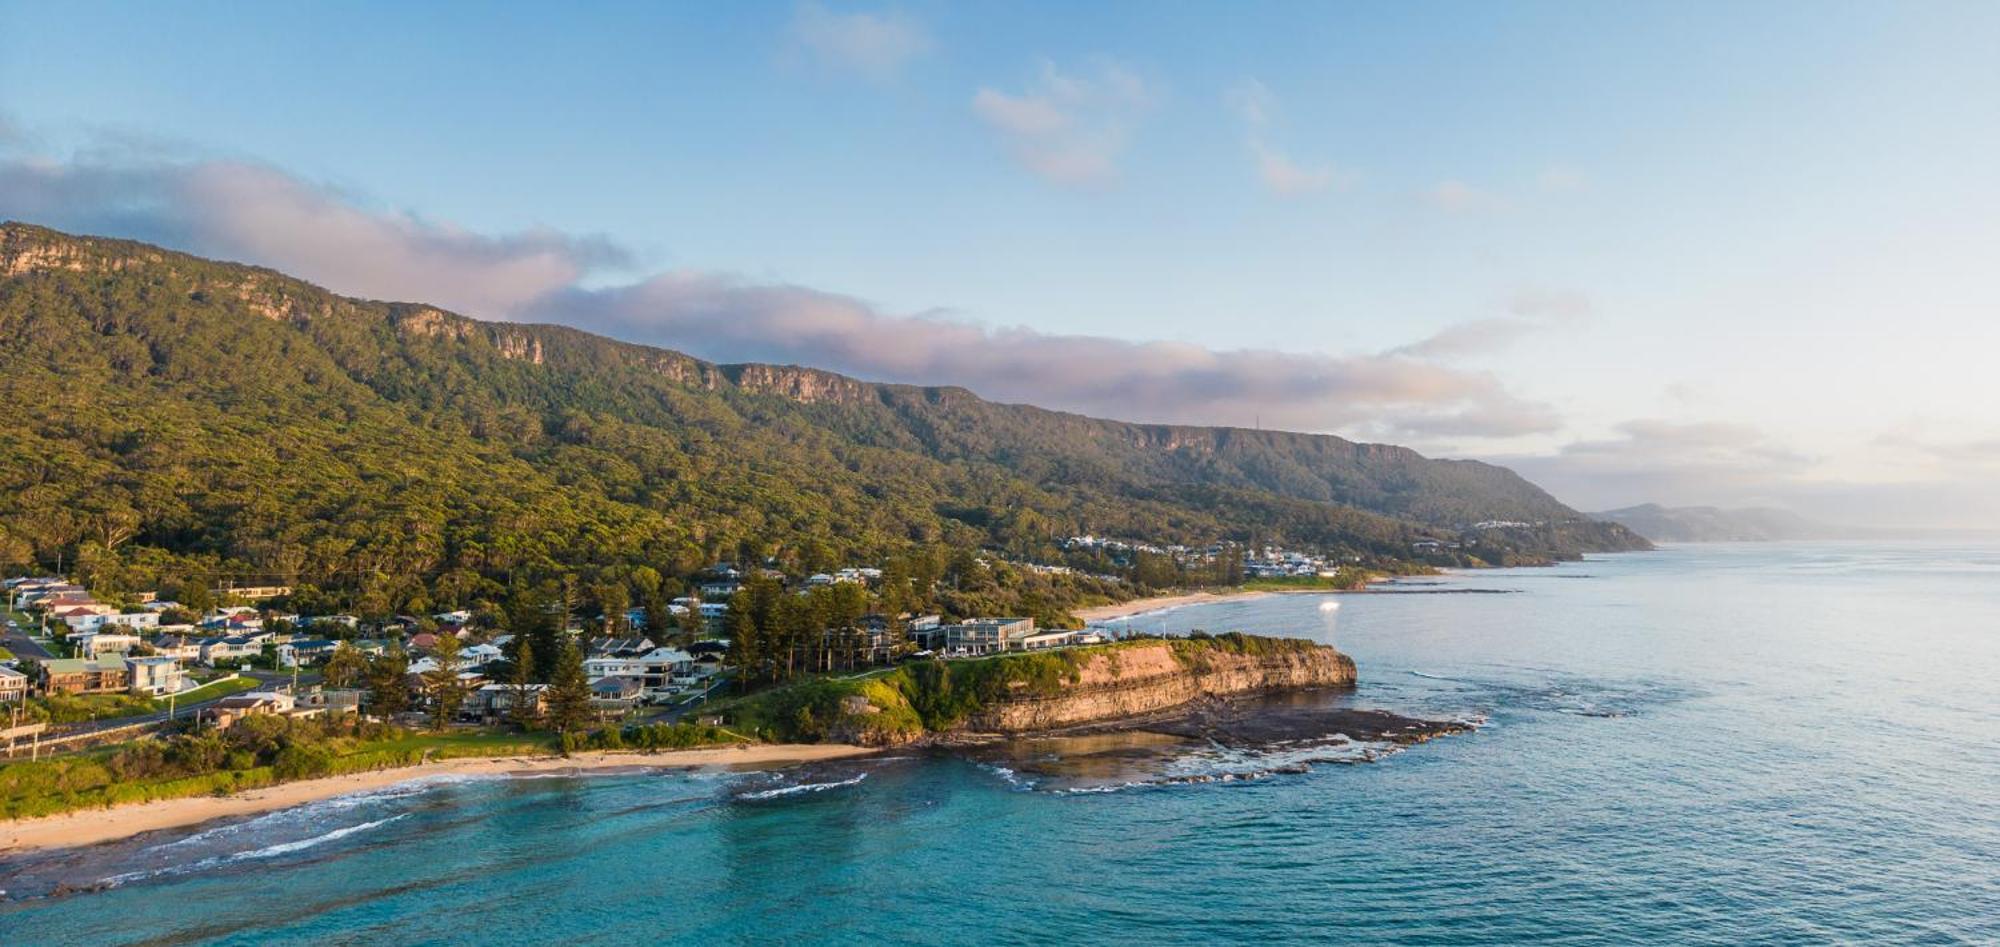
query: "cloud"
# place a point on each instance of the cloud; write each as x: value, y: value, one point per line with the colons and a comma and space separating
x: 876, y: 45
x: 1458, y: 197
x: 1069, y: 129
x: 1670, y: 462
x: 1280, y: 173
x: 1528, y: 313
x: 256, y: 213
x: 731, y: 320
x: 1917, y: 484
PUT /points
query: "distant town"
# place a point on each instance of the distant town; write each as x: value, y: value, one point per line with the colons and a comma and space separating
x: 77, y: 670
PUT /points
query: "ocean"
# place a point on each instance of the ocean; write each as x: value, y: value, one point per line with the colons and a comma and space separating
x: 1725, y: 744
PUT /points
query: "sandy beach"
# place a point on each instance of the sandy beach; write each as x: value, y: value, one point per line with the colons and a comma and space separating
x: 90, y: 826
x: 1141, y: 606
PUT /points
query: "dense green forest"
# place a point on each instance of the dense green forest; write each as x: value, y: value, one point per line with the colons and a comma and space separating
x: 170, y: 422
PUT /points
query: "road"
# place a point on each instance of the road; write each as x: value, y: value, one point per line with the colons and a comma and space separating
x: 23, y: 646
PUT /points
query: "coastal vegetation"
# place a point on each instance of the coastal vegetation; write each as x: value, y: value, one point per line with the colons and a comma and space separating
x: 258, y: 751
x: 262, y: 751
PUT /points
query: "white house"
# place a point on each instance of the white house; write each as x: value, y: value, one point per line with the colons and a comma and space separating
x: 90, y: 644
x: 472, y: 656
x: 93, y: 622
x: 155, y: 675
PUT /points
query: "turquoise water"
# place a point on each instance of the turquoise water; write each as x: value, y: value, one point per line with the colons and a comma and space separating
x: 1708, y: 745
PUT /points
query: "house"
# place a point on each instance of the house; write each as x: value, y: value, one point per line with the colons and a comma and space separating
x: 228, y: 710
x: 478, y: 655
x: 155, y: 675
x: 423, y: 641
x: 620, y: 647
x: 184, y: 647
x: 874, y: 639
x: 91, y: 644
x: 251, y: 593
x: 334, y: 700
x: 656, y: 671
x: 987, y: 635
x: 493, y: 702
x: 718, y: 588
x: 615, y: 693
x: 922, y: 630
x: 313, y: 651
x: 84, y: 676
x: 1047, y: 638
x: 13, y: 686
x: 233, y: 647
x: 112, y: 618
x: 85, y: 617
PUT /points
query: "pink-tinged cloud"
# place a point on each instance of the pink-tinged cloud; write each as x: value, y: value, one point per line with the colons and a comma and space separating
x: 255, y: 213
x: 730, y: 320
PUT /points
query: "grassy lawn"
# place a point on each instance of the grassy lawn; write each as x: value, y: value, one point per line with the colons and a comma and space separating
x: 454, y: 744
x: 212, y: 690
x: 78, y: 708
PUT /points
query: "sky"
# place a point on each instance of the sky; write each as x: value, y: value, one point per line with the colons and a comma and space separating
x: 1688, y: 253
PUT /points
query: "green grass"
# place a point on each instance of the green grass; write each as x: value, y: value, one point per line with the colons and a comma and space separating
x: 79, y: 708
x: 5, y: 654
x: 212, y: 690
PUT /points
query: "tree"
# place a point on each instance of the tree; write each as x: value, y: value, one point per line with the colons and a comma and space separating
x: 388, y: 686
x: 569, y: 689
x: 446, y: 693
x: 746, y: 640
x: 521, y: 711
x: 693, y: 625
x: 534, y: 627
x: 344, y: 666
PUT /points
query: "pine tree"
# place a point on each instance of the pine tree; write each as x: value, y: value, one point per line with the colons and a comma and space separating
x: 569, y: 690
x: 522, y: 711
x: 345, y: 666
x: 446, y: 693
x: 388, y: 688
x: 693, y: 626
x: 746, y: 645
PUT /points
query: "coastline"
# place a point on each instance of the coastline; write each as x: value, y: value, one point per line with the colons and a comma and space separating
x: 91, y: 826
x: 1159, y: 603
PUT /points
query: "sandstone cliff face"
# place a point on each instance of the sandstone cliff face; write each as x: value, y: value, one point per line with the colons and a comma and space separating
x: 1128, y: 682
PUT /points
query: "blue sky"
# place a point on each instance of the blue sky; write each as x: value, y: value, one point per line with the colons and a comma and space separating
x: 1690, y: 252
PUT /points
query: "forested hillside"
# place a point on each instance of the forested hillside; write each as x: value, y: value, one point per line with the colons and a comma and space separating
x: 166, y: 419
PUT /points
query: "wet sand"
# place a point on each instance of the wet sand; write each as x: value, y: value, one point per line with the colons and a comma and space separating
x: 90, y: 826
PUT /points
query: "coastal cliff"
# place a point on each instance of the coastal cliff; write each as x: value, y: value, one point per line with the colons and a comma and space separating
x: 1155, y: 676
x: 1045, y: 690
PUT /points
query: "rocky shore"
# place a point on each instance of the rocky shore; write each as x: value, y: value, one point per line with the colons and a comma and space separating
x: 1135, y: 681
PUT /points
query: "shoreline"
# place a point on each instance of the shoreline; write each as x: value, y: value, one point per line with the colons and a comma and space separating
x: 1159, y: 603
x: 1100, y: 614
x: 92, y: 826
